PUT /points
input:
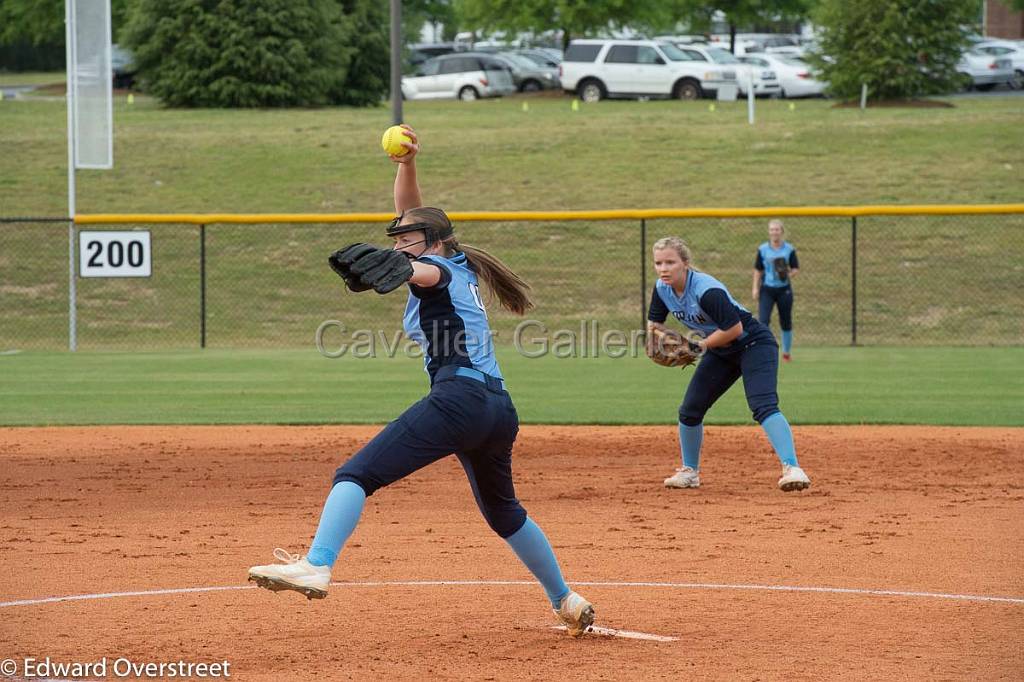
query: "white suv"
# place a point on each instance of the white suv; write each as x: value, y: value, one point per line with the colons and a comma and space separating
x: 596, y: 69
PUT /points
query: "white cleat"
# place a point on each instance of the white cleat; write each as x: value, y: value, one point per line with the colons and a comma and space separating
x: 793, y: 478
x: 687, y: 477
x: 575, y: 613
x: 294, y: 574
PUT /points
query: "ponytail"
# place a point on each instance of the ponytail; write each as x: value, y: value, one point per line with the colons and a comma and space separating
x: 511, y: 291
x: 509, y: 288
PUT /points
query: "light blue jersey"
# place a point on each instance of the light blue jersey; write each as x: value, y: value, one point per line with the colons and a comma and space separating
x: 449, y: 321
x: 765, y: 261
x: 688, y: 308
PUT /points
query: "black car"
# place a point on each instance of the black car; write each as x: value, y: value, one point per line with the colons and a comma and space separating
x: 122, y: 64
x: 421, y: 52
x: 527, y: 75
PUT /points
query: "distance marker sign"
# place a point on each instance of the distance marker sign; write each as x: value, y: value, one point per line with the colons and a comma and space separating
x: 114, y: 254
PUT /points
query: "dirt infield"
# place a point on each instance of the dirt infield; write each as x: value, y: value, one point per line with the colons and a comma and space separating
x: 87, y: 511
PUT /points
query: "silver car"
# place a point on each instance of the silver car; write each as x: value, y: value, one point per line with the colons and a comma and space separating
x: 462, y: 75
x: 527, y: 75
x: 1005, y: 49
x: 985, y: 71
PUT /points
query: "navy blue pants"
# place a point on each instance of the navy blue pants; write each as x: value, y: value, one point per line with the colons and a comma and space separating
x: 462, y: 416
x: 772, y: 296
x: 755, y: 358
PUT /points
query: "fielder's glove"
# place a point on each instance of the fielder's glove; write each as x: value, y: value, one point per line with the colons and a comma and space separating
x: 364, y: 266
x: 670, y: 349
x: 781, y: 267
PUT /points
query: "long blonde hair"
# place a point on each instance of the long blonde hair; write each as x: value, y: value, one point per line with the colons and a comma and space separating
x: 512, y: 292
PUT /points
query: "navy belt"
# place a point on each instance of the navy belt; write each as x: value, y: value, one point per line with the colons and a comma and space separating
x: 451, y: 371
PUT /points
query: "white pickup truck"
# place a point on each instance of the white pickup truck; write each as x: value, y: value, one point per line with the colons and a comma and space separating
x: 598, y: 69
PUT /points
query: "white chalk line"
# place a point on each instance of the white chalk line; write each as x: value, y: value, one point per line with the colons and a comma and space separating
x: 493, y: 583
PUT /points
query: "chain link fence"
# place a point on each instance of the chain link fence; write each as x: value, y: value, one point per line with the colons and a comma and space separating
x: 879, y: 280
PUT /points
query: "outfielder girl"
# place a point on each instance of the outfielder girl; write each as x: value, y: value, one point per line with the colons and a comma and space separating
x: 774, y: 267
x: 732, y: 344
x: 467, y: 411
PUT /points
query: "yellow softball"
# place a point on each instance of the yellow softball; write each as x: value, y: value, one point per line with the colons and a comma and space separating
x: 393, y: 139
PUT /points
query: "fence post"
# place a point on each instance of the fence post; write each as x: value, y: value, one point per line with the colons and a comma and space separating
x: 643, y: 274
x: 72, y: 287
x: 202, y: 286
x: 853, y: 283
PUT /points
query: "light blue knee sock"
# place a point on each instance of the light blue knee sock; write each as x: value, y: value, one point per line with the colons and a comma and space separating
x: 534, y: 550
x: 690, y: 439
x: 787, y: 340
x: 337, y: 521
x: 781, y: 438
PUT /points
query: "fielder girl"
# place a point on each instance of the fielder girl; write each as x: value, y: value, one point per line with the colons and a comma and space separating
x: 467, y: 411
x: 774, y: 267
x: 734, y: 344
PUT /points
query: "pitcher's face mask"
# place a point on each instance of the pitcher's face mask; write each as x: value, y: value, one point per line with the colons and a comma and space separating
x: 405, y: 243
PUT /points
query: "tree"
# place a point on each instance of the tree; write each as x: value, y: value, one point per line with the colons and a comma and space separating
x: 368, y: 75
x: 41, y: 22
x: 417, y: 12
x: 579, y: 18
x: 698, y: 14
x: 899, y: 48
x: 254, y: 53
x: 574, y: 18
x: 32, y: 33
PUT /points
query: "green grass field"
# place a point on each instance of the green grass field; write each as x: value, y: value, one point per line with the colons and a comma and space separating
x: 922, y: 281
x: 39, y: 78
x: 492, y: 155
x: 966, y: 387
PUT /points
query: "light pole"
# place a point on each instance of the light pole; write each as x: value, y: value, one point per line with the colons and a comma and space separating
x: 396, y: 62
